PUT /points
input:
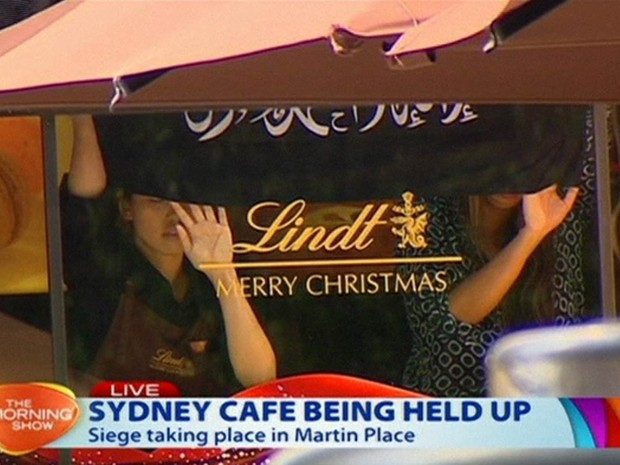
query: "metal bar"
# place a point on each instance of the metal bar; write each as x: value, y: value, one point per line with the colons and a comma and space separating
x: 518, y: 19
x: 54, y: 252
x: 521, y: 17
x: 604, y: 212
x: 54, y: 260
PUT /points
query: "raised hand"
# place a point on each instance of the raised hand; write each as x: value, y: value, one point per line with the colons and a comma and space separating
x: 544, y: 210
x: 207, y: 240
x: 205, y: 237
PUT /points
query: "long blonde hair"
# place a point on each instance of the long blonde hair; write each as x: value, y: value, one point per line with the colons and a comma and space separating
x: 530, y: 300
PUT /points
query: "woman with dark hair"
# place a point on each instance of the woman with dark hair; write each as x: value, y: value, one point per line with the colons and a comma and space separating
x: 141, y: 306
x: 521, y: 266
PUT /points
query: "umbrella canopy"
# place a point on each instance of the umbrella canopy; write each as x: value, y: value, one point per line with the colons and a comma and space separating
x: 227, y: 53
x: 87, y: 40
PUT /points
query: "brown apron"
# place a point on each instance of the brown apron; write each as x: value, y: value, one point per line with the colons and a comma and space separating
x: 142, y: 345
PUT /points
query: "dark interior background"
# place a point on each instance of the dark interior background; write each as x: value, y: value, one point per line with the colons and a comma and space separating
x: 334, y: 156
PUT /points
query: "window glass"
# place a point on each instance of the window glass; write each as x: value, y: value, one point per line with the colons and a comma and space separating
x: 341, y: 235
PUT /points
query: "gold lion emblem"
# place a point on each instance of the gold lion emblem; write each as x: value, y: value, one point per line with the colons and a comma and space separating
x: 411, y: 223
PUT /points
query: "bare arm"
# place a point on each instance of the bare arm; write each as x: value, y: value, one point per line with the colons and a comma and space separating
x: 249, y: 349
x: 207, y: 239
x: 87, y: 176
x: 479, y: 294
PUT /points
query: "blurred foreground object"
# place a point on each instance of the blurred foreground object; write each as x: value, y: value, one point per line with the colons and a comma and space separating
x: 13, y: 202
x: 446, y: 457
x: 23, y: 257
x: 573, y: 361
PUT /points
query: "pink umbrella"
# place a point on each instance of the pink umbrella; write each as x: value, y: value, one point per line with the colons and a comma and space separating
x: 90, y: 40
x: 267, y: 51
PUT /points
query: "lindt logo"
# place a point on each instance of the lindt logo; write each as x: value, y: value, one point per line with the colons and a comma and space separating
x: 288, y: 232
x: 339, y: 266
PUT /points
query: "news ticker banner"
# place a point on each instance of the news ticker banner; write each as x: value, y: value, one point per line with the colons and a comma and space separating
x: 37, y: 415
x: 325, y: 422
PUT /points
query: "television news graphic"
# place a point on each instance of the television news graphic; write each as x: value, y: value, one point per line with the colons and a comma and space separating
x: 34, y: 414
x: 277, y: 416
